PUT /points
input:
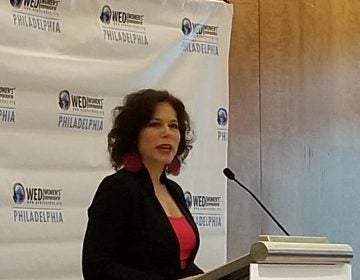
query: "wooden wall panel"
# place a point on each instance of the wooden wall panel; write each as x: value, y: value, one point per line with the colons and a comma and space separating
x: 310, y: 116
x: 244, y: 130
x: 295, y: 119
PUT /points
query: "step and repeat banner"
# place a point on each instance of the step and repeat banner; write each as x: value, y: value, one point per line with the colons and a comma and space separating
x: 64, y: 65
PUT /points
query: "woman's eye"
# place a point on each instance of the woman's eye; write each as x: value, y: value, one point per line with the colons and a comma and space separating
x: 154, y: 124
x: 174, y: 125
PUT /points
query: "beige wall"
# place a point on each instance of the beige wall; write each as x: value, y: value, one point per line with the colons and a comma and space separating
x: 295, y: 119
x: 244, y: 127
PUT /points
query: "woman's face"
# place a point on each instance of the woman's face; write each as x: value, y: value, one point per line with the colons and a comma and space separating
x: 159, y: 140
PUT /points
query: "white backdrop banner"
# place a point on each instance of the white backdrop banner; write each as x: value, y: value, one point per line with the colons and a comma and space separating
x: 64, y: 65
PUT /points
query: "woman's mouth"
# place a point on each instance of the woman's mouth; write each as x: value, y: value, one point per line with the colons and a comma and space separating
x: 164, y: 147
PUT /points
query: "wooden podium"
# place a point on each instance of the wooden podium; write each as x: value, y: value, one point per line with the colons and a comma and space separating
x: 288, y: 257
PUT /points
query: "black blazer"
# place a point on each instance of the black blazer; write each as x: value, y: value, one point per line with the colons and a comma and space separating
x: 129, y: 236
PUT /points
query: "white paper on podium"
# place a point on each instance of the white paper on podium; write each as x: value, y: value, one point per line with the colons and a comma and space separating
x: 300, y: 272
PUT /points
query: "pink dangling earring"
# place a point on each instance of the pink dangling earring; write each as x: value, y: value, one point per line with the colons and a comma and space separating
x: 174, y: 167
x: 132, y: 162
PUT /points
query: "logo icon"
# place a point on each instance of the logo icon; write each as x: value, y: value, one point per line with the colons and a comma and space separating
x: 105, y: 15
x: 19, y: 193
x: 222, y: 116
x: 188, y: 199
x: 64, y: 100
x: 186, y: 26
x: 16, y: 3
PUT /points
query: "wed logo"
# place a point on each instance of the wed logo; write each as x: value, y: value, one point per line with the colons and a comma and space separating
x: 19, y: 193
x: 16, y: 3
x: 205, y: 209
x: 222, y: 121
x: 42, y: 15
x: 7, y: 104
x: 37, y: 204
x: 80, y: 112
x: 200, y: 38
x: 124, y: 27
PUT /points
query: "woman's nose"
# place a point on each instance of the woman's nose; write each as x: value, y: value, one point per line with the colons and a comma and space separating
x: 166, y: 129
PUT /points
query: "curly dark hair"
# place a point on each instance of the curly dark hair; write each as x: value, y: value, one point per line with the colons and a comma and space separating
x: 136, y: 112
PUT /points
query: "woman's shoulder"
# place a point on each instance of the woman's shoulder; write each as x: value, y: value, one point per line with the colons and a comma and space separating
x: 119, y: 176
x: 113, y: 192
x: 174, y: 187
x: 120, y: 181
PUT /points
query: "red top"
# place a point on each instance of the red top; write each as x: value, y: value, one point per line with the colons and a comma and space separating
x: 186, y: 237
